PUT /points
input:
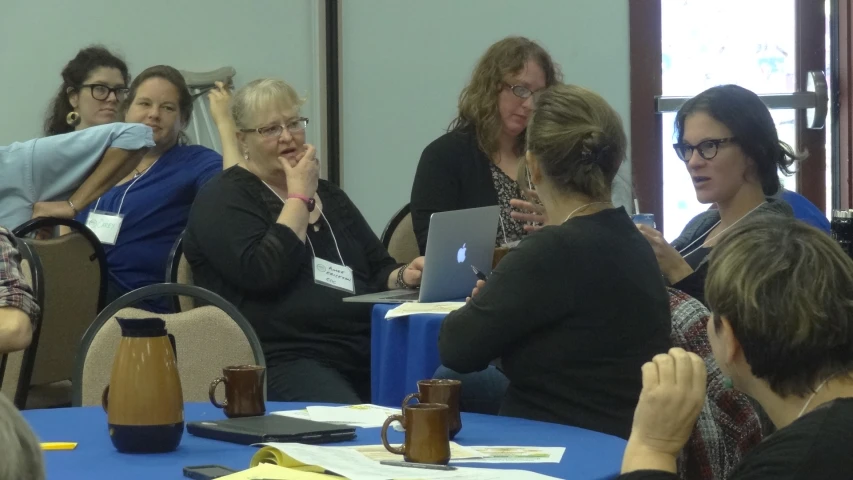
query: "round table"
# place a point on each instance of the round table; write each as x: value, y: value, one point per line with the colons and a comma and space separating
x: 403, y: 350
x: 589, y: 455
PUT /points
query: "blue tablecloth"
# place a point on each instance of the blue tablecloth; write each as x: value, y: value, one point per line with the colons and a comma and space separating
x: 589, y: 455
x: 403, y: 351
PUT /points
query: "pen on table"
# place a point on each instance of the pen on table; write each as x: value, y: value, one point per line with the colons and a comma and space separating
x: 58, y: 445
x: 478, y: 273
x: 427, y: 466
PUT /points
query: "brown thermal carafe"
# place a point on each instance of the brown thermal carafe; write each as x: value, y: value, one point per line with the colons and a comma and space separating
x: 144, y: 401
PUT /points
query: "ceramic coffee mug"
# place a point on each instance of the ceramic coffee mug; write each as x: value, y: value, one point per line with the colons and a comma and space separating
x: 244, y: 391
x: 500, y: 253
x: 427, y: 439
x: 442, y: 391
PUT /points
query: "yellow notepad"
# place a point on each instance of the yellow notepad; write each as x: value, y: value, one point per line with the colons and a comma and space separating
x: 268, y: 471
x: 275, y: 456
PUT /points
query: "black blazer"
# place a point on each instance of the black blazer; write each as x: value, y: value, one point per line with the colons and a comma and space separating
x: 453, y: 174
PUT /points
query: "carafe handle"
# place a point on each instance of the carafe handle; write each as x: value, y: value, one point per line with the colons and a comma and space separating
x: 105, y: 398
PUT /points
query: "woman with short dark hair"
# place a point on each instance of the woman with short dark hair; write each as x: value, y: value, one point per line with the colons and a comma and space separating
x: 729, y: 144
x: 781, y: 296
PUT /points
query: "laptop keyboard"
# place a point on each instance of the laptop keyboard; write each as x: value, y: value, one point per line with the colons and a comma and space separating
x: 407, y: 296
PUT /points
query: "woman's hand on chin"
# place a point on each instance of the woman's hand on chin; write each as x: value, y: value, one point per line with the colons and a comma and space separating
x: 302, y: 178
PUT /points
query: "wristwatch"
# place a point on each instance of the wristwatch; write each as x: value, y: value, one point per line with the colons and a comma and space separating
x: 309, y: 202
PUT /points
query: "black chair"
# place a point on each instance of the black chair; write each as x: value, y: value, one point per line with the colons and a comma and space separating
x: 16, y: 368
x: 98, y: 253
x: 178, y: 271
x: 207, y: 339
x: 74, y: 269
x: 399, y: 237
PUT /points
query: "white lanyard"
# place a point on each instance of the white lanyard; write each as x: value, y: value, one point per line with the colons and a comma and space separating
x: 313, y: 253
x: 121, y: 203
x: 717, y: 235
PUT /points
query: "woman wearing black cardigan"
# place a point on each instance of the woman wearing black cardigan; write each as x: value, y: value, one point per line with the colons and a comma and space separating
x: 781, y: 296
x: 575, y: 310
x: 475, y: 163
x: 265, y: 235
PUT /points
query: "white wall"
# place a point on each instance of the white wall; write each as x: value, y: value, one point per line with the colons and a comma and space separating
x: 404, y: 63
x: 260, y: 38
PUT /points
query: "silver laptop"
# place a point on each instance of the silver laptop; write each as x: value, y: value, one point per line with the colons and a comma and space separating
x: 457, y: 240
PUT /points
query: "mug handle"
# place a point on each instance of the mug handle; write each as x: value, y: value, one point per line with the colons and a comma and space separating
x: 409, y: 397
x: 211, y: 392
x: 401, y: 450
x: 105, y: 398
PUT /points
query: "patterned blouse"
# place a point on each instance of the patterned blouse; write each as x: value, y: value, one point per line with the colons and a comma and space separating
x: 509, y: 230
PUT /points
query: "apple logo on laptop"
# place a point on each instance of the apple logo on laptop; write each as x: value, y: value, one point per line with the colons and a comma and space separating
x: 460, y: 255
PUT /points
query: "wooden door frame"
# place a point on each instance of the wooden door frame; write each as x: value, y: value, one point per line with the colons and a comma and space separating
x: 841, y: 104
x: 646, y: 134
x: 811, y: 55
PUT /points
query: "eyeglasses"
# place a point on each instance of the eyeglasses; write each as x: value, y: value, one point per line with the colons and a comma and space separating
x: 102, y: 92
x: 519, y: 91
x: 707, y: 149
x: 294, y: 126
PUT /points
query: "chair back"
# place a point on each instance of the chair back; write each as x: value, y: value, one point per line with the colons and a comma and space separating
x: 179, y: 271
x: 16, y: 367
x: 399, y: 236
x: 207, y: 339
x: 75, y: 281
x: 728, y: 426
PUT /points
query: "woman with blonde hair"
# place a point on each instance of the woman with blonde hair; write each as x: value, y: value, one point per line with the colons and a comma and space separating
x: 265, y: 234
x: 578, y: 307
x: 475, y: 163
x: 781, y: 297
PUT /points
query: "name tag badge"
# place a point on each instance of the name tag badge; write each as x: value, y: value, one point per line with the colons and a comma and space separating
x: 333, y: 275
x: 104, y: 225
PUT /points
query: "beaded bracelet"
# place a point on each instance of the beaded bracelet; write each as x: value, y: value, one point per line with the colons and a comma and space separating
x: 401, y: 283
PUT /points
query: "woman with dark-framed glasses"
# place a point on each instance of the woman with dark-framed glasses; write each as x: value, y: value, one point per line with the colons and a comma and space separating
x: 729, y: 144
x: 94, y: 83
x: 286, y: 247
x: 476, y: 162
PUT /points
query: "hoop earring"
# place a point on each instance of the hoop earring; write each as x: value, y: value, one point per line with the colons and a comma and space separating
x: 73, y: 119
